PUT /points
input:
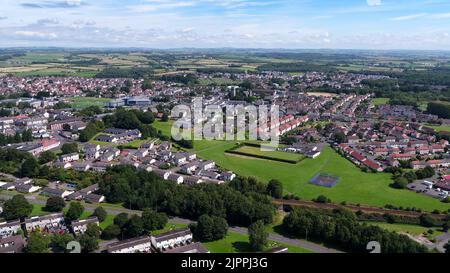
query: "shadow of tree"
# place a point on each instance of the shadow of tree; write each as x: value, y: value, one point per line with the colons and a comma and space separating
x: 242, y: 246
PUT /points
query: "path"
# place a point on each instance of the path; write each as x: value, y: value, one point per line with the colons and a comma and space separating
x: 176, y: 220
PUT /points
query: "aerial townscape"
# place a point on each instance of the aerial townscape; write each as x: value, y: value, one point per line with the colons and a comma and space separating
x: 100, y: 151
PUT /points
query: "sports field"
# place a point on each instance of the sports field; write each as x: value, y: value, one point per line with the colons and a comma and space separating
x: 252, y: 151
x: 84, y: 102
x: 380, y: 101
x: 355, y: 186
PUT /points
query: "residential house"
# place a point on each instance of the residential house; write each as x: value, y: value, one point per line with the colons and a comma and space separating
x: 141, y: 244
x: 80, y: 226
x: 171, y: 239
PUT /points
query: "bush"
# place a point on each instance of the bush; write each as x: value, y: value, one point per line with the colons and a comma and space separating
x: 55, y: 204
x: 210, y: 228
x: 101, y: 214
x: 110, y: 232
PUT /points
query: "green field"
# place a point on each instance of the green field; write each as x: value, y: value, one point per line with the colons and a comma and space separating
x: 252, y: 151
x: 439, y: 128
x: 238, y: 243
x: 355, y: 186
x: 84, y: 102
x: 413, y: 230
x: 380, y: 101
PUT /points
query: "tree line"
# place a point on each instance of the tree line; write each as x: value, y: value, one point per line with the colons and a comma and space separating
x: 138, y: 189
x: 343, y: 230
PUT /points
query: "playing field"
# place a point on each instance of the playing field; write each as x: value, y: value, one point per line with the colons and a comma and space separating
x: 380, y: 101
x: 355, y: 186
x: 276, y: 155
x: 84, y: 102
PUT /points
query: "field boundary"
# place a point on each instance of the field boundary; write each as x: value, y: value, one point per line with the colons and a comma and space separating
x: 235, y: 148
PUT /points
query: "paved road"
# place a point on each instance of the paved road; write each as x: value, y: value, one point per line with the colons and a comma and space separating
x: 273, y: 237
x: 176, y: 220
x: 441, y: 240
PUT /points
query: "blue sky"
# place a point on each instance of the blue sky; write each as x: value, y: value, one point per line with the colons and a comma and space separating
x: 349, y: 24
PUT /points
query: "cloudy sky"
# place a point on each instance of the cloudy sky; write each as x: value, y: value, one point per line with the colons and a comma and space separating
x: 350, y: 24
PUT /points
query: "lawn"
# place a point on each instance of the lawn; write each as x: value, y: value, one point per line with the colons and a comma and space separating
x: 252, y: 151
x: 380, y: 101
x: 38, y: 210
x: 355, y: 186
x: 84, y: 102
x: 439, y: 128
x: 414, y: 230
x: 238, y: 243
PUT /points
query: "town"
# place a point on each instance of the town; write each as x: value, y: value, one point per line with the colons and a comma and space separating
x: 92, y: 160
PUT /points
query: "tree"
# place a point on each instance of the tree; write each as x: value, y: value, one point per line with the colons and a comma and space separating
x: 110, y: 232
x: 153, y: 220
x: 275, y: 189
x: 210, y: 228
x: 27, y: 135
x: 88, y: 243
x: 134, y: 227
x: 121, y: 219
x: 447, y: 248
x: 55, y: 204
x: 74, y: 212
x: 427, y: 220
x: 30, y: 168
x: 47, y: 156
x: 59, y: 241
x: 257, y: 236
x: 400, y: 183
x: 69, y: 148
x: 340, y: 137
x: 165, y: 117
x: 37, y: 243
x: 16, y: 208
x: 446, y: 226
x: 101, y: 214
x: 93, y: 230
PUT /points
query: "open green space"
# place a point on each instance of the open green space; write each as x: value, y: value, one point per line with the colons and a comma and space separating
x: 380, y: 101
x: 439, y: 128
x: 414, y: 230
x: 355, y: 186
x: 238, y: 243
x: 276, y: 155
x: 84, y: 102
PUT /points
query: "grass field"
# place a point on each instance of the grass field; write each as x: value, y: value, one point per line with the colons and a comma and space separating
x: 413, y: 230
x: 84, y: 102
x: 252, y: 151
x: 441, y: 128
x: 355, y: 186
x: 238, y: 243
x: 380, y: 101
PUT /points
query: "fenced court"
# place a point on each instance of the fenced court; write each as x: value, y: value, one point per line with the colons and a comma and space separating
x: 325, y: 180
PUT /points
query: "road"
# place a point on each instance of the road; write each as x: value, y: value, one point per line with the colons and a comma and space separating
x: 176, y: 220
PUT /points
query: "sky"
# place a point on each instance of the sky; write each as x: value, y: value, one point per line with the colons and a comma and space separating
x: 290, y: 24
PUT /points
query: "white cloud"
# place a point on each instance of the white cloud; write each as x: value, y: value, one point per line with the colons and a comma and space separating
x: 374, y: 2
x: 36, y: 34
x: 409, y: 17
